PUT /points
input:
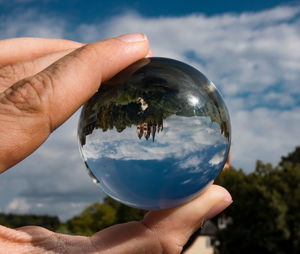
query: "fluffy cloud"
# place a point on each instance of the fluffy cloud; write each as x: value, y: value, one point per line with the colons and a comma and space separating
x: 217, y: 158
x: 253, y: 58
x: 264, y: 134
x: 177, y: 140
x: 18, y: 204
x: 247, y: 53
x: 53, y: 180
x: 31, y: 23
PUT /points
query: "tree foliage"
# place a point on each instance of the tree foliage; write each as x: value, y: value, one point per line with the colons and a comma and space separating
x: 266, y: 208
x: 18, y: 220
x: 117, y: 104
x: 265, y: 213
x: 99, y: 216
x: 293, y: 158
x: 93, y: 218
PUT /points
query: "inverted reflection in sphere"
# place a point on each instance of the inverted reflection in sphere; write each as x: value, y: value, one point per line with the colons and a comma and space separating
x: 155, y: 135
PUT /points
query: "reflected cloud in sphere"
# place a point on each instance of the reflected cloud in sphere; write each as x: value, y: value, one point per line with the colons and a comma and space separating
x: 155, y: 135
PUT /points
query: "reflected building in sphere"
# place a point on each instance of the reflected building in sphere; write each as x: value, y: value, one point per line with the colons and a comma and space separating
x: 149, y: 129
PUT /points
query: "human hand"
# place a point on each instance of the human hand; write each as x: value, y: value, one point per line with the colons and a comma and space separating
x: 42, y: 82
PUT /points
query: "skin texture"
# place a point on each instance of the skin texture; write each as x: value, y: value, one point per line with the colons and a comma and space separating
x: 42, y: 83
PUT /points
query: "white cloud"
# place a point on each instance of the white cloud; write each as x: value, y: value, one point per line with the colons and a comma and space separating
x: 264, y: 134
x: 18, y: 205
x: 249, y: 53
x: 252, y: 57
x: 186, y: 181
x: 30, y: 23
x: 217, y: 158
x: 180, y: 137
x: 52, y: 180
x: 192, y: 163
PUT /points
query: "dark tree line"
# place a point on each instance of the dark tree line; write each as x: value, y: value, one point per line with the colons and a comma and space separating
x: 17, y: 220
x: 98, y: 216
x: 265, y: 213
x: 266, y: 208
x: 118, y: 105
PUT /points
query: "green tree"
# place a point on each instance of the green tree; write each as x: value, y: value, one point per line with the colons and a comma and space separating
x: 293, y: 157
x: 93, y: 218
x: 99, y: 216
x: 19, y: 220
x: 265, y: 213
x: 125, y: 213
x: 266, y: 209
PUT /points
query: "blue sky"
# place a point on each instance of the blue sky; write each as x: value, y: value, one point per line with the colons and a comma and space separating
x: 249, y: 49
x: 79, y: 11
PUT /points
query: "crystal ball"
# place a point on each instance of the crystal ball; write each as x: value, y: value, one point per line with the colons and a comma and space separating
x: 155, y: 135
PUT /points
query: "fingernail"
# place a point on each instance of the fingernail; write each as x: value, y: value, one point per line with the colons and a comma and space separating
x: 227, y: 201
x: 134, y: 37
x: 79, y: 45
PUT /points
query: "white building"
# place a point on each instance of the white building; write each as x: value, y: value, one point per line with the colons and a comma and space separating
x: 203, y: 241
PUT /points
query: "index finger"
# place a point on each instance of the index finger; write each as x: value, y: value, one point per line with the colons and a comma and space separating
x: 35, y: 106
x: 26, y: 49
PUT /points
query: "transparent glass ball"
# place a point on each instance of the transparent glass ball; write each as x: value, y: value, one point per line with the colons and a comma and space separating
x: 155, y: 135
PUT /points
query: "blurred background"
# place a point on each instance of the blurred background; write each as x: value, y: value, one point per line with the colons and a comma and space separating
x: 249, y: 49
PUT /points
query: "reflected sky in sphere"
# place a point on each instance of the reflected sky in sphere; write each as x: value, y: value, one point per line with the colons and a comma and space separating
x: 155, y: 135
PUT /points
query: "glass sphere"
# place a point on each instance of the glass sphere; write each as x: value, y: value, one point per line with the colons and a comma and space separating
x: 155, y: 135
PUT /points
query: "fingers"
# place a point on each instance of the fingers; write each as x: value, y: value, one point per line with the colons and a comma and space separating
x: 26, y: 49
x: 35, y: 106
x: 164, y: 231
x: 9, y: 74
x: 174, y: 226
x: 33, y: 239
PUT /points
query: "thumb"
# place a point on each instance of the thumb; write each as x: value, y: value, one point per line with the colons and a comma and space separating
x: 173, y: 227
x: 35, y: 106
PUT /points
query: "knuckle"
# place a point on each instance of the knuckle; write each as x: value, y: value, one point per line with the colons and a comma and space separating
x: 177, y: 246
x: 158, y: 243
x: 85, y: 53
x: 168, y: 243
x: 13, y: 72
x: 30, y: 95
x: 6, y: 74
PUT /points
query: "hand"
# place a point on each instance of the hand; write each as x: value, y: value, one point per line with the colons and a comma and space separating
x: 42, y: 83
